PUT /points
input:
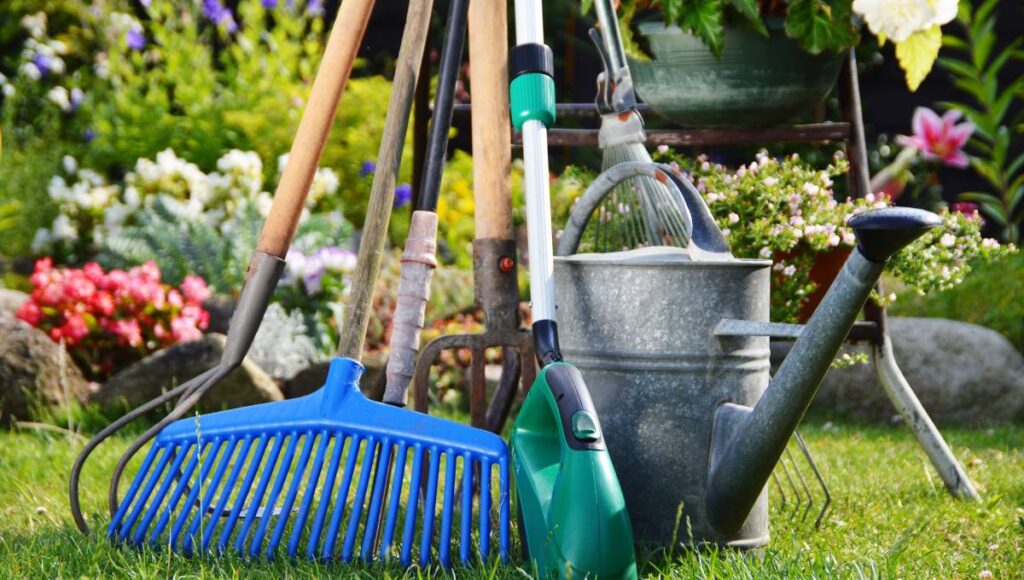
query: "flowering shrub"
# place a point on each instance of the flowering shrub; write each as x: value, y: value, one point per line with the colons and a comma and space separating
x: 785, y: 210
x: 108, y: 320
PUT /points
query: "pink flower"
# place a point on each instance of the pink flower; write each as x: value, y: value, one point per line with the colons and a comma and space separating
x: 184, y: 329
x: 103, y: 302
x: 195, y: 290
x: 127, y: 332
x: 939, y: 138
x: 30, y: 313
x: 174, y: 299
x: 965, y: 207
x: 94, y: 273
x: 75, y: 329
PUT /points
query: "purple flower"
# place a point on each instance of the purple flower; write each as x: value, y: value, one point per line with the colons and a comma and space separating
x: 269, y: 4
x: 89, y: 135
x: 315, y: 8
x: 145, y: 3
x: 219, y: 15
x: 77, y: 96
x: 403, y: 195
x: 135, y: 39
x: 368, y: 168
x: 42, y: 63
x: 337, y: 259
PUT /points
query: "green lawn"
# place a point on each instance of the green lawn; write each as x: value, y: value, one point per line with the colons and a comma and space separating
x: 891, y: 517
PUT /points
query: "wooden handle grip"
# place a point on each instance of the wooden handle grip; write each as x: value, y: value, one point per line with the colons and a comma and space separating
x: 492, y: 132
x: 328, y: 86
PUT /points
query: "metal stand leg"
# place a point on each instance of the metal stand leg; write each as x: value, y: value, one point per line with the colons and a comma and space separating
x: 915, y: 416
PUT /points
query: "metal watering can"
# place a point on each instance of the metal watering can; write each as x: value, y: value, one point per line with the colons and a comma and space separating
x: 674, y: 346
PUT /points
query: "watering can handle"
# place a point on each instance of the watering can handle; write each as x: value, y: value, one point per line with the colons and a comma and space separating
x: 700, y: 225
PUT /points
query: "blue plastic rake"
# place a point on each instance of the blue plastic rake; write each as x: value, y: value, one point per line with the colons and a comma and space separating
x: 231, y: 480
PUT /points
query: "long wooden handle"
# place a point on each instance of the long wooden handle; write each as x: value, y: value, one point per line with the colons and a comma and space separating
x: 492, y: 132
x: 382, y: 194
x: 328, y: 86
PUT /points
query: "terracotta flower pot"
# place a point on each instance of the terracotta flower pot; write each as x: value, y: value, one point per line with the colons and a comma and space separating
x: 827, y: 266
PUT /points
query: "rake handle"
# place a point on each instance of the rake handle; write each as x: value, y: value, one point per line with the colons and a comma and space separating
x: 491, y: 124
x: 317, y: 119
x: 382, y: 194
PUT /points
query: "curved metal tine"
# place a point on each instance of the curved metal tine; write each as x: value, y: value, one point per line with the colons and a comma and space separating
x: 782, y: 492
x: 787, y: 471
x: 803, y: 484
x: 817, y: 474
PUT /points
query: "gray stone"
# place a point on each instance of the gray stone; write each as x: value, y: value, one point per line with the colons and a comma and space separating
x: 962, y: 373
x: 34, y: 372
x: 168, y: 368
x: 11, y: 300
x: 313, y: 377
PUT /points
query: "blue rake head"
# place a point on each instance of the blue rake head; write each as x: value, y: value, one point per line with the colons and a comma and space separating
x: 249, y: 479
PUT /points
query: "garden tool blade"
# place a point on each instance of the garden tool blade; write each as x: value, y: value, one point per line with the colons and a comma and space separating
x: 317, y: 476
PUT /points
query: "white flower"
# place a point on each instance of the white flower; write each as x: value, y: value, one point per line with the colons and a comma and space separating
x: 41, y: 241
x: 789, y: 270
x: 769, y: 181
x: 811, y: 189
x: 31, y: 71
x: 282, y: 161
x: 765, y: 252
x: 9, y: 90
x: 69, y: 164
x: 35, y: 24
x: 989, y: 244
x: 898, y: 19
x: 833, y: 240
x: 733, y: 218
x: 115, y: 215
x: 132, y: 198
x: 63, y: 229
x: 947, y: 240
x: 662, y: 148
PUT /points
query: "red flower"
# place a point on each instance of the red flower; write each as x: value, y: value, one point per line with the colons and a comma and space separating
x: 965, y: 207
x: 30, y: 313
x: 195, y: 290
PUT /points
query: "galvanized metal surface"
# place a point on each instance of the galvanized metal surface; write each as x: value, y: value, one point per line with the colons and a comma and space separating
x: 640, y: 326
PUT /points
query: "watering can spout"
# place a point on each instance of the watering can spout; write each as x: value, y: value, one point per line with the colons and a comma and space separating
x: 748, y: 442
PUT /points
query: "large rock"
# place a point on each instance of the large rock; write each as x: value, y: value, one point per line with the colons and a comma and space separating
x: 962, y: 373
x: 34, y: 372
x: 168, y: 368
x: 11, y: 300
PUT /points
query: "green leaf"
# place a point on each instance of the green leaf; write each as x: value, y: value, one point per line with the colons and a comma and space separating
x: 1016, y: 165
x: 982, y: 15
x: 820, y: 26
x: 951, y: 41
x: 917, y: 54
x: 1002, y: 58
x: 751, y: 10
x: 586, y: 5
x: 702, y: 18
x: 959, y: 67
x: 984, y: 41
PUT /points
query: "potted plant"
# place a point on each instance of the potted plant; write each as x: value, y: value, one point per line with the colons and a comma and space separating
x: 760, y: 62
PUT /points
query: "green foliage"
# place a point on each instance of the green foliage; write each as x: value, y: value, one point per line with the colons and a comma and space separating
x: 817, y: 25
x: 989, y: 297
x: 995, y: 145
x: 181, y: 244
x: 24, y: 174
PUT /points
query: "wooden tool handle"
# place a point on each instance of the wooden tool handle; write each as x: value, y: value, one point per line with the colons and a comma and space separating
x: 382, y: 193
x: 331, y: 78
x: 492, y: 129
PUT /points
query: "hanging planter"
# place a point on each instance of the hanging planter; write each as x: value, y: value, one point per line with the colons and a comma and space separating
x: 757, y: 80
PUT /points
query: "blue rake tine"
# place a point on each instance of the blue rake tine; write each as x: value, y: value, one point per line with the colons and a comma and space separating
x: 179, y: 453
x: 444, y: 553
x: 465, y: 538
x: 172, y: 504
x: 429, y: 508
x: 283, y: 469
x: 342, y: 499
x: 253, y: 511
x: 293, y: 491
x: 369, y: 460
x: 211, y: 449
x: 307, y: 497
x: 123, y: 528
x: 410, y: 508
x: 229, y: 449
x: 397, y: 479
x: 505, y: 525
x: 485, y: 508
x: 376, y: 499
x: 225, y: 493
x: 325, y: 496
x: 250, y: 475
